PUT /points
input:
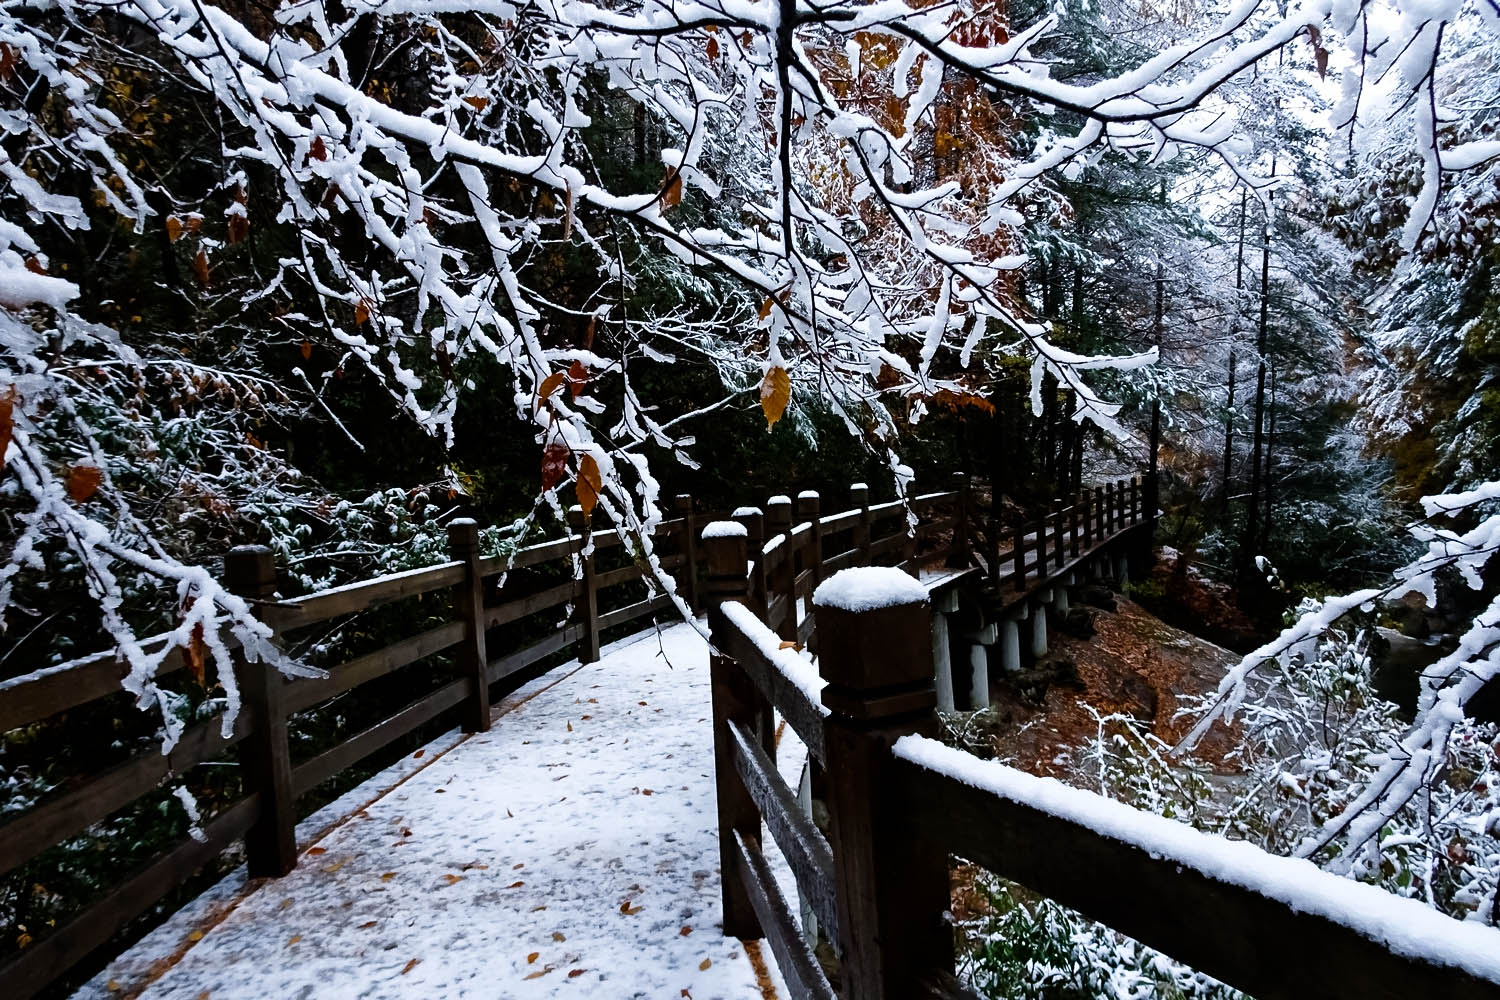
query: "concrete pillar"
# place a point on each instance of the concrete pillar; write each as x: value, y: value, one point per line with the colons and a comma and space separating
x: 805, y: 803
x: 1122, y: 571
x: 942, y: 664
x: 1010, y: 647
x: 979, y: 677
x: 1061, y: 604
x: 1039, y: 631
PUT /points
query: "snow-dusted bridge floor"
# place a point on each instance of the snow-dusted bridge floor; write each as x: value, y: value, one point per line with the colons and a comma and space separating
x: 569, y: 851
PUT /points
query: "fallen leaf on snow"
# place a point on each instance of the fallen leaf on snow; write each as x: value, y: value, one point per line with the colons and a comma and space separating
x: 703, y: 965
x: 559, y: 935
x: 686, y: 930
x: 515, y: 885
x: 368, y: 924
x: 539, y: 973
x: 533, y: 957
x: 293, y: 939
x: 387, y: 876
x: 410, y: 965
x: 629, y: 910
x: 451, y: 878
x: 574, y: 973
x: 317, y: 850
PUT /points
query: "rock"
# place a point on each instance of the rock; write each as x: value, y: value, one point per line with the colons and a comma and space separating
x: 1097, y: 596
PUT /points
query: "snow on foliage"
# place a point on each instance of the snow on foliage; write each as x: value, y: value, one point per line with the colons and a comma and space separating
x: 447, y: 193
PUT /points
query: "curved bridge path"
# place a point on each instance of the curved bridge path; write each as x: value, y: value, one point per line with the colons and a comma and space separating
x: 570, y: 851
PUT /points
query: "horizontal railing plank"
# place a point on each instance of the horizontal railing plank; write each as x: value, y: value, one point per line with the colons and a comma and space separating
x: 312, y: 773
x: 66, y: 814
x: 511, y: 662
x: 1252, y: 941
x: 31, y: 971
x: 842, y: 521
x: 631, y: 612
x: 806, y: 852
x: 303, y: 693
x: 794, y: 960
x: 843, y: 560
x: 796, y: 706
x: 615, y: 577
x: 361, y: 596
x: 524, y: 607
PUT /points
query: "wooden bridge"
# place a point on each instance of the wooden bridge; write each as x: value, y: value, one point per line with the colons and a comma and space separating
x: 876, y: 879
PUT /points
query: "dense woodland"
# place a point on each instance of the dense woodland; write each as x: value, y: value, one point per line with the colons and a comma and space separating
x: 322, y: 276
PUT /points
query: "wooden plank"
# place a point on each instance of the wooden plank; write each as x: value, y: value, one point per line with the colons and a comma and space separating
x: 31, y: 971
x: 1250, y: 941
x: 776, y: 612
x: 843, y: 560
x: 68, y: 813
x: 523, y: 607
x: 890, y: 543
x: 45, y: 692
x: 511, y: 662
x: 633, y: 611
x: 807, y: 852
x: 794, y: 960
x: 929, y: 528
x: 805, y: 717
x: 531, y: 555
x: 615, y: 577
x: 298, y: 612
x: 311, y: 774
x: 841, y: 521
x: 303, y: 693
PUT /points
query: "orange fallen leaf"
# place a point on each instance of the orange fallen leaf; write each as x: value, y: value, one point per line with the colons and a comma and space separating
x: 629, y: 910
x: 558, y: 935
x: 686, y: 930
x: 83, y: 482
x: 533, y: 957
x: 451, y: 878
x: 575, y: 973
x: 410, y: 965
x: 387, y: 876
x: 539, y: 973
x: 418, y: 754
x: 293, y: 939
x: 317, y: 850
x: 703, y: 965
x: 515, y: 885
x: 368, y: 924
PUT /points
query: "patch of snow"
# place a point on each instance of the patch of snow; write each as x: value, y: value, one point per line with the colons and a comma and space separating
x: 809, y: 495
x: 747, y: 512
x: 780, y: 498
x: 725, y: 529
x: 794, y: 666
x: 1405, y: 926
x: 868, y: 588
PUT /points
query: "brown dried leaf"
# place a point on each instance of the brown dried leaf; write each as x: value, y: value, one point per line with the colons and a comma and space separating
x: 174, y: 228
x: 629, y: 910
x: 7, y: 421
x: 451, y: 878
x: 575, y: 973
x: 306, y: 349
x: 558, y: 936
x: 361, y: 312
x: 533, y: 957
x: 200, y: 266
x: 239, y: 228
x: 578, y: 378
x: 410, y: 965
x: 316, y: 150
x: 83, y: 482
x: 703, y: 965
x: 671, y: 192
x: 775, y: 393
x: 551, y: 384
x: 477, y: 103
x: 196, y: 654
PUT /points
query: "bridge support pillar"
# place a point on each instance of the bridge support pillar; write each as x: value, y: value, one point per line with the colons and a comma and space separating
x: 1061, y: 604
x: 979, y: 677
x: 1039, y: 631
x: 1122, y: 571
x: 1010, y: 647
x: 943, y: 604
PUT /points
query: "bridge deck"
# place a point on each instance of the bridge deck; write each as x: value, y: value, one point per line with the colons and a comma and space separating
x: 580, y: 829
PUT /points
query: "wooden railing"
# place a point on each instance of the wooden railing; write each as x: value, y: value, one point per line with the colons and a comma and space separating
x: 475, y: 632
x: 900, y: 805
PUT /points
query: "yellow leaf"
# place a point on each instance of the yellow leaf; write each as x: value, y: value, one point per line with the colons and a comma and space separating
x: 775, y: 393
x: 195, y: 936
x: 703, y: 965
x: 451, y: 878
x: 387, y: 876
x: 589, y: 484
x: 361, y: 313
x: 174, y: 228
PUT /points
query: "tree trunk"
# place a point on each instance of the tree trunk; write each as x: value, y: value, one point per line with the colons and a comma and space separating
x: 1239, y: 286
x: 1257, y: 451
x: 1265, y: 531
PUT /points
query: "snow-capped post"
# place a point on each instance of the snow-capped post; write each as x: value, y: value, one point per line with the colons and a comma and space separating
x: 782, y: 580
x: 958, y: 550
x: 875, y: 636
x: 468, y: 607
x: 754, y: 523
x: 859, y: 496
x: 689, y: 576
x: 271, y: 843
x: 588, y: 591
x: 735, y: 698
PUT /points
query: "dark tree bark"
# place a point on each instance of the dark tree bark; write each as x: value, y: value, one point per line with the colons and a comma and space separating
x: 1239, y: 286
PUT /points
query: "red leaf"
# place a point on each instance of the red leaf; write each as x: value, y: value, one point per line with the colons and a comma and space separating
x: 578, y: 378
x: 83, y: 482
x: 554, y: 464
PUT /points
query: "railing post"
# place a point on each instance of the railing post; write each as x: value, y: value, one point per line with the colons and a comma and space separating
x: 1074, y: 516
x: 735, y: 698
x: 1086, y: 499
x: 689, y: 550
x: 859, y: 496
x: 891, y: 888
x: 1041, y: 545
x: 783, y: 580
x: 755, y: 540
x: 1059, y: 536
x: 810, y: 508
x: 1019, y: 551
x: 271, y: 843
x: 1099, y: 514
x: 588, y: 593
x: 958, y: 550
x: 1110, y: 503
x: 468, y: 607
x: 1135, y: 500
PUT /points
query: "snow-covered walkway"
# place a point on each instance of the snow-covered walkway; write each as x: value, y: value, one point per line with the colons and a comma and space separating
x: 570, y: 851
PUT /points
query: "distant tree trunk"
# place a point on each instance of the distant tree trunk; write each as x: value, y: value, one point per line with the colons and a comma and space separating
x: 1076, y: 323
x: 1257, y: 451
x: 1048, y: 442
x: 1239, y: 286
x: 640, y: 135
x: 1265, y: 532
x: 1152, y: 498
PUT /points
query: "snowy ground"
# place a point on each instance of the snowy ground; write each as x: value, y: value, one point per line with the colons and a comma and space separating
x: 570, y: 851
